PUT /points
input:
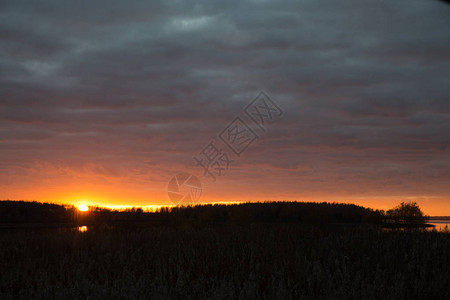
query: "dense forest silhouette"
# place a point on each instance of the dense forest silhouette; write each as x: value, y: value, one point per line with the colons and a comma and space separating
x: 29, y: 214
x: 24, y: 212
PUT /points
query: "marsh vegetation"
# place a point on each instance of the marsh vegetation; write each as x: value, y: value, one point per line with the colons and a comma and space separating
x: 184, y: 254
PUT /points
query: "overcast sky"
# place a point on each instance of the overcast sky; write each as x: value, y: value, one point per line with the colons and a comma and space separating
x: 107, y: 100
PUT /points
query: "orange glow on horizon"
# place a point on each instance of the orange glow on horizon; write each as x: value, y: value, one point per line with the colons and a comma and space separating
x: 132, y: 190
x: 431, y: 207
x: 150, y: 198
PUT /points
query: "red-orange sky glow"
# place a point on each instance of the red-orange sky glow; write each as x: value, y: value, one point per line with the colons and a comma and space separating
x: 264, y: 185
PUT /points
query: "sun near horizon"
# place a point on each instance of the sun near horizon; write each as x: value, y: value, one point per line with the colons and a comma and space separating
x: 83, y: 207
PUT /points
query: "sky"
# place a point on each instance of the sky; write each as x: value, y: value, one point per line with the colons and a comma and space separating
x: 103, y: 102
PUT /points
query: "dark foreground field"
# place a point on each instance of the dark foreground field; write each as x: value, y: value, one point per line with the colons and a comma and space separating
x: 251, y: 261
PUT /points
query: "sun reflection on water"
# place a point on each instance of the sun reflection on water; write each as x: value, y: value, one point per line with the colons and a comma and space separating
x: 82, y: 228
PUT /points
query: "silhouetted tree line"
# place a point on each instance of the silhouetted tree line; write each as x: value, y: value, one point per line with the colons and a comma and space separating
x: 32, y: 212
x: 12, y: 212
x: 298, y: 212
x: 406, y: 214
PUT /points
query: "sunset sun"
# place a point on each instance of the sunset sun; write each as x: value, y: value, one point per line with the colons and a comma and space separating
x: 83, y: 207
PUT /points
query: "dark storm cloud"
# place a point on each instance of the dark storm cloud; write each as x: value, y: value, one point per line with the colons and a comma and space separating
x: 157, y: 80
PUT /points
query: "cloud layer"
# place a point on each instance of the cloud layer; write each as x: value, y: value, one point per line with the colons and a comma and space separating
x: 118, y: 96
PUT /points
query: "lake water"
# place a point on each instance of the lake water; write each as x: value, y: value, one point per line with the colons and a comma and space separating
x: 439, y: 225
